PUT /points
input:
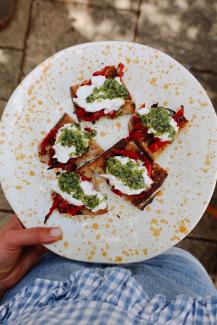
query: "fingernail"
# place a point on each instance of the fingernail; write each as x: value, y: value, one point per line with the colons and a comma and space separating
x: 56, y: 233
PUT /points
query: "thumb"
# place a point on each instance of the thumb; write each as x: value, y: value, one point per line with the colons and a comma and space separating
x: 32, y: 236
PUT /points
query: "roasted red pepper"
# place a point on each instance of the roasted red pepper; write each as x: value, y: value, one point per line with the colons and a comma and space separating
x: 137, y: 134
x: 117, y: 192
x: 137, y: 124
x: 94, y: 116
x: 179, y: 116
x: 48, y: 140
x: 108, y: 71
x: 88, y: 129
x: 80, y: 112
x: 120, y: 70
x: 62, y: 206
x: 148, y: 166
x: 73, y: 210
x: 65, y: 207
x: 112, y: 114
x: 85, y: 116
x: 140, y: 126
x: 102, y: 71
x: 56, y: 200
x: 136, y: 119
x: 180, y: 112
x: 126, y: 153
x: 85, y: 178
x: 157, y: 145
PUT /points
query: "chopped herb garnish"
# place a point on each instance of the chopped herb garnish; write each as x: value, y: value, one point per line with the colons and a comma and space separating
x: 110, y: 89
x: 158, y: 118
x: 69, y: 182
x: 75, y: 136
x: 128, y: 173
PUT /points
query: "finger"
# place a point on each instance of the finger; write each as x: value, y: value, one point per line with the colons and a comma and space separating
x: 32, y: 236
x: 13, y: 223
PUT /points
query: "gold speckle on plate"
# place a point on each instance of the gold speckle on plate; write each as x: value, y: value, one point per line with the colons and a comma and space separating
x: 95, y: 226
x: 166, y: 86
x: 128, y: 60
x: 31, y: 173
x: 153, y: 81
x: 154, y: 221
x: 156, y: 232
x: 118, y: 259
x: 102, y: 134
x: 145, y: 251
x: 98, y: 236
x: 66, y: 244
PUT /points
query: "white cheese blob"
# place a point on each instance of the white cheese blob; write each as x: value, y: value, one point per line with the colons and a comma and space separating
x: 164, y: 136
x: 88, y: 189
x: 143, y: 110
x: 118, y: 184
x: 108, y: 105
x: 63, y: 153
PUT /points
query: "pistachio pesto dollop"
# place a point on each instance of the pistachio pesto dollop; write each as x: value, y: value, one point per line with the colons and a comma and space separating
x: 79, y: 192
x: 104, y: 93
x: 159, y: 121
x: 72, y: 141
x: 110, y: 89
x: 127, y: 175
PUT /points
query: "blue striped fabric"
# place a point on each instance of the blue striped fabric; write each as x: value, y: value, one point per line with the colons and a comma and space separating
x: 111, y: 296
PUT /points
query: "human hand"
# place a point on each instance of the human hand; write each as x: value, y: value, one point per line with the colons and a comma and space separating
x: 20, y: 250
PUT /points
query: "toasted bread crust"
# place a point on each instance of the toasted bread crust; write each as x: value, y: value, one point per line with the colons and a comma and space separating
x: 73, y: 90
x: 94, y: 149
x: 146, y: 197
x: 158, y: 174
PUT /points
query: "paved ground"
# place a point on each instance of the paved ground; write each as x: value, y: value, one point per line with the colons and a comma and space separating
x: 186, y: 29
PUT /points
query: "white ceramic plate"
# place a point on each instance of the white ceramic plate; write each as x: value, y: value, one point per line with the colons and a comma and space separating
x: 151, y: 76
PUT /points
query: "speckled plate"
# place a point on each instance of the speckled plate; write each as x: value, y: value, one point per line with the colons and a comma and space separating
x: 125, y: 234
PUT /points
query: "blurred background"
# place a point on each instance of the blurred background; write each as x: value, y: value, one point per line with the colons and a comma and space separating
x: 32, y: 30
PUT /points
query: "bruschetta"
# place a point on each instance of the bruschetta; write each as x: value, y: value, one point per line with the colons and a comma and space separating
x: 68, y: 145
x: 156, y: 127
x: 104, y: 94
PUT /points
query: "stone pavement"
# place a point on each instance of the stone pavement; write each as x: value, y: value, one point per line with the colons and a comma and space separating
x: 185, y: 29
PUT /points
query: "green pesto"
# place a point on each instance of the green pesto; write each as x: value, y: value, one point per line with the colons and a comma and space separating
x: 159, y: 119
x: 76, y: 137
x: 110, y: 89
x: 128, y: 174
x: 69, y: 182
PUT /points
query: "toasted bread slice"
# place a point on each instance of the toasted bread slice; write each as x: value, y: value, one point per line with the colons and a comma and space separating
x: 149, y: 138
x: 109, y: 72
x: 158, y: 173
x: 64, y: 207
x: 45, y: 151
